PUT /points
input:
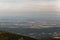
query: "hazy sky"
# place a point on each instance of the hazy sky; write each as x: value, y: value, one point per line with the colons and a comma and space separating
x: 18, y: 6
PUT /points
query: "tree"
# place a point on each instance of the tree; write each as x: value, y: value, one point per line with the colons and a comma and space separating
x: 21, y: 38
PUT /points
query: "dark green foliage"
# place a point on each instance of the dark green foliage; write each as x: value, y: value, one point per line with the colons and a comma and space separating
x: 13, y: 36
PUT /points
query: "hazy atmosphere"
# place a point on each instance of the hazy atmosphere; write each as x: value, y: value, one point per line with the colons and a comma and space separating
x: 39, y: 12
x: 29, y: 19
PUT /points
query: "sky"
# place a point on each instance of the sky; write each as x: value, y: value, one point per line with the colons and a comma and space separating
x: 14, y: 7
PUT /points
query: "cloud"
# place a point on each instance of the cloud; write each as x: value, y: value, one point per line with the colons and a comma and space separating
x: 29, y: 6
x: 7, y: 0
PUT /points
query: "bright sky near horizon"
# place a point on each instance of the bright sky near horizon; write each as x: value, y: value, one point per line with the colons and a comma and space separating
x: 18, y: 6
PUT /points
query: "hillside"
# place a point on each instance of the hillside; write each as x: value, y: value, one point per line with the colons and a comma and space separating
x: 4, y: 35
x: 35, y: 33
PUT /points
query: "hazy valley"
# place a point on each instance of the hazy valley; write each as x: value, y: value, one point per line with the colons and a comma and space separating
x: 32, y: 25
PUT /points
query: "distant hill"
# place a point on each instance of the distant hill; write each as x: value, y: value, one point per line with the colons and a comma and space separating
x: 4, y: 35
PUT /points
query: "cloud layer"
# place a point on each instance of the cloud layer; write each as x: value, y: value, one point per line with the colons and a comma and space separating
x: 29, y: 6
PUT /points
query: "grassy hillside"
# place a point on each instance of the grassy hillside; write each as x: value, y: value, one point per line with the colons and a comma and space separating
x: 4, y: 35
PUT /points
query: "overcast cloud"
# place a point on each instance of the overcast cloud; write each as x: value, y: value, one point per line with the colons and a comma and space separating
x: 27, y: 5
x: 18, y: 6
